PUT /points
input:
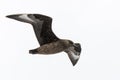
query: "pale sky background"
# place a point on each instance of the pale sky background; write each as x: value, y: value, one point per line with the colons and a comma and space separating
x: 93, y: 23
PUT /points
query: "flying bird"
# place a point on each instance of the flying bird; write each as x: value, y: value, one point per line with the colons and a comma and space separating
x: 49, y: 42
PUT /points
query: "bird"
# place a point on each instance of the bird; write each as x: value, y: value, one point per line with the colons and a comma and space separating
x: 48, y: 41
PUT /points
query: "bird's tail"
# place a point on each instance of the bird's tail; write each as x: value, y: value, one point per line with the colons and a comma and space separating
x: 34, y: 51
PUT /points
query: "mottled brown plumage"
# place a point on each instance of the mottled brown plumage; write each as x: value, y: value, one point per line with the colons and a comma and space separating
x: 54, y: 47
x: 49, y: 42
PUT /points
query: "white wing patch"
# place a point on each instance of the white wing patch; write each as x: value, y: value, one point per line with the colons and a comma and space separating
x: 25, y: 17
x: 74, y: 55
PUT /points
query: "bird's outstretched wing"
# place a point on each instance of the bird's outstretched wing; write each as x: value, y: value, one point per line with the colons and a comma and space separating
x: 74, y: 53
x: 41, y: 25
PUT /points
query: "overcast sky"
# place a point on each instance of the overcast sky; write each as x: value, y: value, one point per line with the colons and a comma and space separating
x: 95, y: 24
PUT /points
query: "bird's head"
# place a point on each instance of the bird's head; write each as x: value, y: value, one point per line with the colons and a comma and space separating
x: 77, y: 46
x: 68, y: 42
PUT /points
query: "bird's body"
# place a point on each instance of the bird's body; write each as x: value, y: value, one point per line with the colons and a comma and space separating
x: 53, y: 47
x: 49, y: 42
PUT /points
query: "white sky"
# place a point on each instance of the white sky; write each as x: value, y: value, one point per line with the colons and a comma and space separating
x: 93, y: 23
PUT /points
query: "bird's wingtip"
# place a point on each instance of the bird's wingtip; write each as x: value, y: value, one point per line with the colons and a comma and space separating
x: 11, y: 16
x: 7, y: 16
x: 74, y: 62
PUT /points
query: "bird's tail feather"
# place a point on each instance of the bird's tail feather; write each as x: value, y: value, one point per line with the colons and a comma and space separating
x: 33, y: 51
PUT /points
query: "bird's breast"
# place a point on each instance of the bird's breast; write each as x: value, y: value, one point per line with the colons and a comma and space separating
x: 52, y: 48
